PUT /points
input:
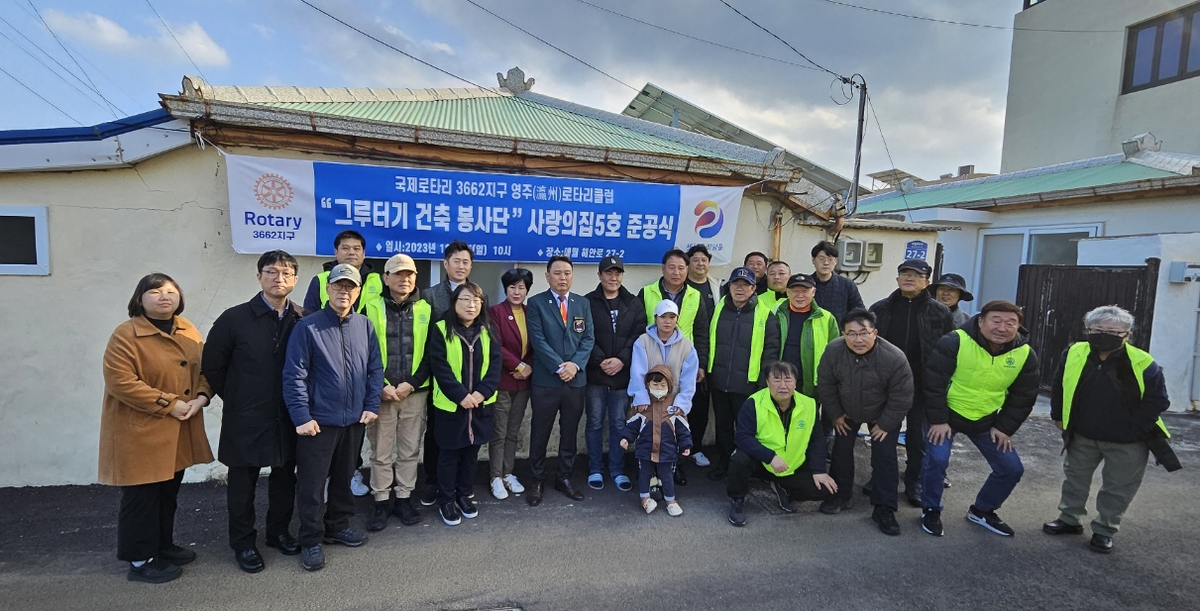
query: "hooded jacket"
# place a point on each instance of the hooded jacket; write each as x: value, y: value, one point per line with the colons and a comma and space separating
x: 1018, y: 401
x: 641, y: 365
x: 657, y: 435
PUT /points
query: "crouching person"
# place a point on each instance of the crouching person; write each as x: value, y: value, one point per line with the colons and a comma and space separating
x: 660, y: 434
x: 779, y: 438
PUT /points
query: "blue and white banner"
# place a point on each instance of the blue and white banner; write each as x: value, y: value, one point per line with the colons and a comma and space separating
x: 299, y: 206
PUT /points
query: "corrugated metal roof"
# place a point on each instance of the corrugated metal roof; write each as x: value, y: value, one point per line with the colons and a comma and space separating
x: 1076, y: 175
x: 506, y: 116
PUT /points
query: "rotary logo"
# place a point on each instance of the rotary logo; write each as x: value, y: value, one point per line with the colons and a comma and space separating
x: 273, y: 191
x: 709, y: 219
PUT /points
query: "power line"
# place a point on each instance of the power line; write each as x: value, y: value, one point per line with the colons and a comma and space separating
x: 168, y: 28
x: 30, y: 89
x: 552, y: 45
x: 964, y: 23
x: 697, y: 38
x: 889, y: 156
x: 786, y: 43
x: 112, y: 109
x: 39, y: 60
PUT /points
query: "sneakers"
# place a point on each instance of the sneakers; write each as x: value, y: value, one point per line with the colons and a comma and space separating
x: 931, y: 522
x: 357, y: 487
x: 737, y: 512
x: 785, y: 503
x: 649, y: 504
x: 498, y: 489
x: 312, y: 558
x: 450, y: 514
x: 155, y: 570
x: 674, y: 509
x: 835, y: 506
x: 701, y: 460
x: 406, y: 512
x: 990, y: 521
x: 886, y: 519
x: 176, y: 555
x: 379, y: 518
x: 513, y: 484
x: 466, y: 507
x: 622, y: 482
x: 596, y: 481
x: 429, y: 498
x: 350, y: 537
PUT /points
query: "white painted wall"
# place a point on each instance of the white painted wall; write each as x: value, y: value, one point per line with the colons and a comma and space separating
x: 1064, y: 90
x: 1174, y: 336
x: 108, y: 228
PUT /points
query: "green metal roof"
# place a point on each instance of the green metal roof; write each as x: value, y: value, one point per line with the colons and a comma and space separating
x: 1101, y: 171
x: 505, y: 116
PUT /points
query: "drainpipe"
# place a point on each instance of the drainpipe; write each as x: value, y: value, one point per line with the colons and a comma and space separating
x: 777, y: 234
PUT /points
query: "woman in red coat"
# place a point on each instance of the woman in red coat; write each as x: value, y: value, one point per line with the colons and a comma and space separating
x: 508, y: 317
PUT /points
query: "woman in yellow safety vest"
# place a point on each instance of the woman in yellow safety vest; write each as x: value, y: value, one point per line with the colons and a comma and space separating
x: 464, y: 356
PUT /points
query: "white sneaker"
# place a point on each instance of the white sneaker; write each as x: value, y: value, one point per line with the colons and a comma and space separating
x: 649, y: 505
x: 513, y: 484
x: 357, y: 487
x: 498, y: 489
x: 701, y: 461
x: 673, y: 509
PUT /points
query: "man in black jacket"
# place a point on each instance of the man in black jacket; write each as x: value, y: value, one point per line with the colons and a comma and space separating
x: 835, y: 293
x: 913, y: 321
x: 243, y: 361
x: 744, y: 340
x: 617, y: 322
x: 981, y: 381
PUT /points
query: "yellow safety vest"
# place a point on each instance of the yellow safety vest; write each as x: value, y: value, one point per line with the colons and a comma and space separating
x: 1073, y: 369
x: 980, y: 381
x: 652, y: 295
x: 790, y: 445
x: 376, y: 311
x: 757, y: 337
x: 454, y: 357
x: 824, y: 329
x: 372, y: 289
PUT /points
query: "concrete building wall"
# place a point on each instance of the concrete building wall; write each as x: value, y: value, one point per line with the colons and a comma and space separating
x: 109, y: 228
x: 1064, y: 89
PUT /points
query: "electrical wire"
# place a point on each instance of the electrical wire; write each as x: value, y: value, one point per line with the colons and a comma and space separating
x: 964, y: 23
x: 786, y: 43
x: 168, y: 28
x: 31, y: 90
x: 112, y: 108
x: 887, y: 150
x: 85, y: 94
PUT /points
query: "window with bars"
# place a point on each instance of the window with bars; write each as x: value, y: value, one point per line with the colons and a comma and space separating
x: 1163, y: 50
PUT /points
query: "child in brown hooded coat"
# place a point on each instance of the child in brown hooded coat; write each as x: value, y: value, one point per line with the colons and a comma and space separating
x: 660, y: 434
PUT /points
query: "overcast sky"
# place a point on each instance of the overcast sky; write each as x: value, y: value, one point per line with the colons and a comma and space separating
x: 939, y: 90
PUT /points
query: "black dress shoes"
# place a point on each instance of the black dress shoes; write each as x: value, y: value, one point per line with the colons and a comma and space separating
x: 564, y: 486
x: 249, y: 560
x: 534, y: 498
x: 176, y: 555
x: 1101, y: 544
x: 1058, y: 527
x: 285, y: 543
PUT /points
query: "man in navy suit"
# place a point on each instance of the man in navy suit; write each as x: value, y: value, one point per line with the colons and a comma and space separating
x: 561, y: 335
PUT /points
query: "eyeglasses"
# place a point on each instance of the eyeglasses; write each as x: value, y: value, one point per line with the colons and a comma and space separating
x: 853, y: 335
x: 1109, y: 332
x: 338, y: 288
x: 274, y: 273
x: 911, y: 275
x: 469, y: 300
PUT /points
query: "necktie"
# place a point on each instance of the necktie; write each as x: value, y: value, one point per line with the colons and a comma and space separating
x: 562, y: 307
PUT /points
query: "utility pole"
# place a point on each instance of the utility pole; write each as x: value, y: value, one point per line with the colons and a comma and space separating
x: 862, y: 121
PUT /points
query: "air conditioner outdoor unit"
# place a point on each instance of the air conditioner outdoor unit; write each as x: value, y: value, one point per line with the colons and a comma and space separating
x: 850, y: 255
x: 872, y: 256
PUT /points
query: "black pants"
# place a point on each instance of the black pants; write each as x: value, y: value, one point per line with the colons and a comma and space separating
x: 146, y: 519
x: 799, y: 485
x: 914, y: 443
x: 281, y: 499
x: 327, y: 455
x: 698, y: 417
x: 549, y: 402
x: 431, y: 445
x: 456, y: 473
x: 885, y: 467
x: 725, y: 410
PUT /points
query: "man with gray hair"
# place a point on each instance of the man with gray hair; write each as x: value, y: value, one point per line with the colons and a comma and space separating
x: 1106, y: 398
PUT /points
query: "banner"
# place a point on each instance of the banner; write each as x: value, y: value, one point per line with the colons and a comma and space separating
x: 300, y: 206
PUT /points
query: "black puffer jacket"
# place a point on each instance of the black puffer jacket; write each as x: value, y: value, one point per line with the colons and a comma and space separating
x: 874, y: 387
x: 731, y: 361
x: 631, y: 323
x: 933, y: 319
x: 1018, y: 402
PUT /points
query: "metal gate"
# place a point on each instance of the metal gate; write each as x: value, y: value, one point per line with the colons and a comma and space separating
x: 1055, y: 298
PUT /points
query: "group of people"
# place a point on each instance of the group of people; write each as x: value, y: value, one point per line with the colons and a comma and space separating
x: 782, y: 358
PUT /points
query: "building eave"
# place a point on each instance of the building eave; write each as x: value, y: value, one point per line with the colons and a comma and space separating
x: 1138, y: 189
x: 116, y: 144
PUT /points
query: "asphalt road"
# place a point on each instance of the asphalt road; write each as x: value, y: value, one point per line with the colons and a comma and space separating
x: 57, y: 552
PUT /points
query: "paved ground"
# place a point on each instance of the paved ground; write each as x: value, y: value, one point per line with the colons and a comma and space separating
x: 603, y: 553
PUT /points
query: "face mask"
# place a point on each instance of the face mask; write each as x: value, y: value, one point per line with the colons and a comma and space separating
x: 1103, y: 342
x: 658, y: 393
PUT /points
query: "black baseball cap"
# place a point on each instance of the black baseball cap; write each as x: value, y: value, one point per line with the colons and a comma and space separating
x: 917, y: 265
x: 801, y: 280
x: 611, y: 262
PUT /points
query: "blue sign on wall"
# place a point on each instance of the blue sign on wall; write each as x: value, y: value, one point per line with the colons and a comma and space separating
x: 916, y: 249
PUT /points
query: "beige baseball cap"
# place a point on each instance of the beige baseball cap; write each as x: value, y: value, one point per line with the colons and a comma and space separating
x: 399, y: 263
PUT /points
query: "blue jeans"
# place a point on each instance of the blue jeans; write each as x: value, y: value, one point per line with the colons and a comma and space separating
x: 611, y: 404
x: 1006, y: 471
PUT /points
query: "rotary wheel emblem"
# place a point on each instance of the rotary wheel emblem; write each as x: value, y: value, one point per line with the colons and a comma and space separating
x: 273, y: 191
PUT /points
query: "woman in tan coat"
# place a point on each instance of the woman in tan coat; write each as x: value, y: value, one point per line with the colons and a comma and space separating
x: 152, y: 427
